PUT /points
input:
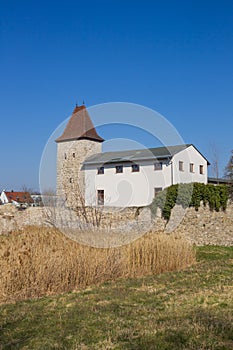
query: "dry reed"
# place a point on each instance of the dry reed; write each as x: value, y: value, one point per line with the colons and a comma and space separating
x: 42, y: 261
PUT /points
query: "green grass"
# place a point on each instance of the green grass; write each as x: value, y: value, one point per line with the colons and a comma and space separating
x: 191, y: 309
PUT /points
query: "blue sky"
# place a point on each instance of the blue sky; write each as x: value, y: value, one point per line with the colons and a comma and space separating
x: 175, y: 57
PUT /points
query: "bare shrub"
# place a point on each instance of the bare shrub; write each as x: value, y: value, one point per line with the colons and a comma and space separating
x: 42, y: 261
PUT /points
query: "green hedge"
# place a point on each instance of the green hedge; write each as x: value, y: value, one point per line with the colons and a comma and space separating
x: 190, y: 195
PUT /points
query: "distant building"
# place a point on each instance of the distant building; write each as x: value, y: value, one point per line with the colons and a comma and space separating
x: 19, y: 199
x: 218, y: 181
x: 86, y: 175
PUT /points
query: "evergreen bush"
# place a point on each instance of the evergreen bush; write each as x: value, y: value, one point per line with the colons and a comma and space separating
x: 190, y: 195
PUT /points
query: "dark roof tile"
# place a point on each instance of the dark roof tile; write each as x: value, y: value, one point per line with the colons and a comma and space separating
x: 135, y: 155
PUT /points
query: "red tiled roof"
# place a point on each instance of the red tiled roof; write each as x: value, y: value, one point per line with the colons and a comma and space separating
x: 79, y: 127
x: 20, y: 197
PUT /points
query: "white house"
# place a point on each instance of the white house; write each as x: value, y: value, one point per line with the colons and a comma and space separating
x: 19, y: 199
x: 133, y: 178
x: 119, y: 179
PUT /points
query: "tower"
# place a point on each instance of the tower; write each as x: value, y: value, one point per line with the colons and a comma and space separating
x: 78, y: 141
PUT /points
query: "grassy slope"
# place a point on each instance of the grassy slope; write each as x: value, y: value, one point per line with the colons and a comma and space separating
x: 192, y: 309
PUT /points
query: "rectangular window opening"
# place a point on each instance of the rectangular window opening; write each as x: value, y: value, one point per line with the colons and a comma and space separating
x: 202, y: 169
x: 157, y: 190
x: 100, y: 197
x: 158, y: 166
x: 100, y: 170
x: 191, y: 167
x: 135, y: 168
x: 181, y: 166
x: 119, y: 169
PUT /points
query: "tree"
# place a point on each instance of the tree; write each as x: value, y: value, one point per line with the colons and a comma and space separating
x: 229, y: 168
x: 214, y: 160
x: 25, y: 188
x: 229, y: 174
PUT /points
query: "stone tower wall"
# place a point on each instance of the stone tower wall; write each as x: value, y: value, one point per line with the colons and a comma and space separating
x: 70, y: 173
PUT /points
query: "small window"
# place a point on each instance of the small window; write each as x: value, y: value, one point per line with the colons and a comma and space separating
x: 100, y: 170
x: 157, y: 190
x: 202, y: 169
x: 158, y: 166
x: 73, y: 155
x: 181, y: 166
x: 65, y: 156
x: 71, y: 180
x: 119, y: 169
x: 191, y: 167
x: 135, y: 168
x: 100, y: 197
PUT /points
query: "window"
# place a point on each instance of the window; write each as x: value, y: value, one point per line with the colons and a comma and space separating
x: 100, y: 197
x: 73, y: 155
x: 202, y: 169
x: 100, y: 170
x: 119, y: 169
x: 158, y: 166
x: 71, y: 180
x: 65, y: 156
x: 135, y: 168
x: 181, y: 166
x: 157, y: 190
x: 191, y: 168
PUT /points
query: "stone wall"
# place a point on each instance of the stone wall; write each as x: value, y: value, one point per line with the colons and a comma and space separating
x: 208, y: 227
x: 200, y: 227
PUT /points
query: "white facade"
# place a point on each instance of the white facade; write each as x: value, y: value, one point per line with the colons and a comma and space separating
x: 138, y: 188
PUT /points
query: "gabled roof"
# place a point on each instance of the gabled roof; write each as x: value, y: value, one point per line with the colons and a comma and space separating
x: 79, y: 127
x: 20, y: 197
x: 134, y: 155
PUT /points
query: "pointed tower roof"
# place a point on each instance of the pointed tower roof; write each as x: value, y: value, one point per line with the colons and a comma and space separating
x: 79, y: 127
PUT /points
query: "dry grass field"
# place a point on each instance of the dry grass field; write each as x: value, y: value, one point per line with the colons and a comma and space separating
x: 35, y: 262
x: 190, y: 309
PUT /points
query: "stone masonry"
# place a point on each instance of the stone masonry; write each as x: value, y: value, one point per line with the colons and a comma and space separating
x: 70, y: 175
x: 200, y: 227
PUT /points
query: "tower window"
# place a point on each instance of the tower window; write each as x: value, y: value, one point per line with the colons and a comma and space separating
x: 100, y: 170
x: 71, y: 180
x: 119, y: 169
x: 65, y: 156
x: 73, y: 155
x: 135, y: 168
